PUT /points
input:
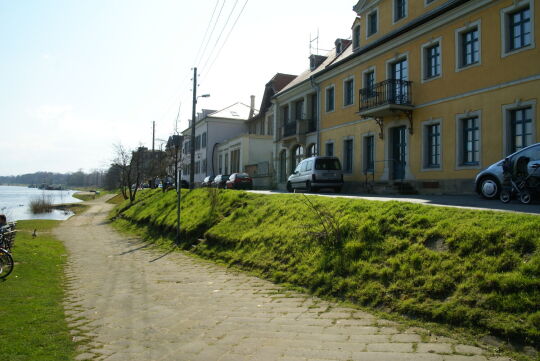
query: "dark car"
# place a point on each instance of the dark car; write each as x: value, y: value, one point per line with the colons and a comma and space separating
x: 184, y: 184
x: 207, y: 182
x: 220, y: 180
x: 489, y: 181
x: 239, y: 181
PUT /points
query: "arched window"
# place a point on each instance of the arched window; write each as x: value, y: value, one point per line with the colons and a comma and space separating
x: 297, y: 156
x: 283, y: 166
x: 312, y: 150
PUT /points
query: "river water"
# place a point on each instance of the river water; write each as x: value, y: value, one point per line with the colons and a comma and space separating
x: 15, y: 202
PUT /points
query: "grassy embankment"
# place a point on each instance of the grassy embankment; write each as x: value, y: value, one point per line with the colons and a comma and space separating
x: 476, y: 269
x: 33, y: 324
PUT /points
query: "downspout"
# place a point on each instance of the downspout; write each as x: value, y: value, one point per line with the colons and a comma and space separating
x: 317, y: 88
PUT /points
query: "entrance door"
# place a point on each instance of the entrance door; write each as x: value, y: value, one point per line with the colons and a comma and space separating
x: 399, y: 147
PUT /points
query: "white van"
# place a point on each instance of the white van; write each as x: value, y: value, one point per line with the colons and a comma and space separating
x: 316, y: 173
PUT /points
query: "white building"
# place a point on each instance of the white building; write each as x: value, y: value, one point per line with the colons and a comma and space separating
x: 212, y: 128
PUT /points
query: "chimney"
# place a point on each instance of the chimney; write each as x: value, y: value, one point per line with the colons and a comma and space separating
x: 252, y: 107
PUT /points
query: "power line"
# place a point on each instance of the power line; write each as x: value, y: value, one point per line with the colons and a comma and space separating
x: 219, y: 36
x: 225, y: 41
x: 212, y: 32
x: 206, y: 32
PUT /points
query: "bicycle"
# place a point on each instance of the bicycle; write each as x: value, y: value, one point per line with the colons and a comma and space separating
x: 7, y: 238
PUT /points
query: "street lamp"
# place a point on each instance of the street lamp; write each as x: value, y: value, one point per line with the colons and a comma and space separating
x: 193, y: 123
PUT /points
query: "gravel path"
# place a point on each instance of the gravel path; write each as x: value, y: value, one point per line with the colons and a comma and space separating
x: 127, y: 301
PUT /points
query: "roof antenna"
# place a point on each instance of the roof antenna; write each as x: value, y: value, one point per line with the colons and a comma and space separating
x: 316, y: 40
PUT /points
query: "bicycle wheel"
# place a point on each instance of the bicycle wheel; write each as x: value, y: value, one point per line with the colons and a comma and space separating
x: 6, y: 263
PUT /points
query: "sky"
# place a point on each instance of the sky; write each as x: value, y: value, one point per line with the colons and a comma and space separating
x: 78, y: 77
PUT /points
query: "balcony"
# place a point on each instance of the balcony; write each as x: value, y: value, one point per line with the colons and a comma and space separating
x: 297, y: 129
x: 289, y: 129
x: 387, y: 98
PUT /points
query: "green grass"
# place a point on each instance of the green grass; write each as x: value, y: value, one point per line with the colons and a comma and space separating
x: 466, y: 268
x: 33, y: 325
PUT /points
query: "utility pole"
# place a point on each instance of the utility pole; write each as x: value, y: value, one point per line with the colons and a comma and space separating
x: 153, y: 134
x: 192, y: 140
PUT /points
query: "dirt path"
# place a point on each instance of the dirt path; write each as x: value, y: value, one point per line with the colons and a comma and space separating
x: 126, y: 301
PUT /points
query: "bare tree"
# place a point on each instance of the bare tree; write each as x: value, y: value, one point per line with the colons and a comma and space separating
x: 129, y: 164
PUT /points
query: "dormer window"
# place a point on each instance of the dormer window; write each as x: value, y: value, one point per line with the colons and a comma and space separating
x: 356, y: 37
x: 315, y: 61
x: 339, y: 47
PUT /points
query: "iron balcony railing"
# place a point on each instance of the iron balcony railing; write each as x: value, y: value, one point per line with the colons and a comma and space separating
x: 388, y: 92
x: 289, y: 129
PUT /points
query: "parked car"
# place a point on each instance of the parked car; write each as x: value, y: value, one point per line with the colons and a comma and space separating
x: 184, y: 184
x: 207, y: 182
x: 239, y: 181
x: 316, y: 173
x: 489, y: 181
x: 220, y: 180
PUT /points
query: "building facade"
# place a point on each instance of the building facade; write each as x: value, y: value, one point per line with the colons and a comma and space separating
x: 211, y: 129
x: 296, y: 116
x: 442, y: 89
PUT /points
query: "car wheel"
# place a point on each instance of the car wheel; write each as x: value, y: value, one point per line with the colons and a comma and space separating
x: 289, y: 187
x: 489, y: 188
x: 308, y: 187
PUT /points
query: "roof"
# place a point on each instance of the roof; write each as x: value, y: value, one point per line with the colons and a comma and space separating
x: 306, y: 75
x: 239, y: 111
x: 278, y: 82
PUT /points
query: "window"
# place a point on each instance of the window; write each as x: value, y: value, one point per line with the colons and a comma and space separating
x: 433, y: 156
x: 520, y: 29
x: 517, y: 27
x: 297, y: 156
x: 285, y: 114
x: 329, y: 149
x: 312, y: 150
x: 330, y: 99
x: 299, y: 110
x: 348, y: 156
x: 521, y: 128
x: 470, y: 141
x: 348, y: 92
x: 432, y: 56
x: 339, y: 47
x: 226, y: 163
x: 372, y: 23
x: 204, y: 139
x: 399, y: 73
x: 369, y: 154
x: 270, y: 123
x: 468, y: 46
x: 400, y: 9
x: 197, y: 142
x: 369, y: 83
x: 203, y: 169
x: 220, y: 163
x: 356, y: 37
x: 283, y: 166
x: 197, y: 167
x: 235, y: 161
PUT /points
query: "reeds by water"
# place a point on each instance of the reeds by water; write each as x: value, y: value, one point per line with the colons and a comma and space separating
x: 41, y: 205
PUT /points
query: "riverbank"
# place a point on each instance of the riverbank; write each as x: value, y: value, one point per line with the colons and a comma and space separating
x: 474, y: 269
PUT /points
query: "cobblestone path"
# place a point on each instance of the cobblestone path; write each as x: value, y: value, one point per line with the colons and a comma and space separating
x: 126, y: 301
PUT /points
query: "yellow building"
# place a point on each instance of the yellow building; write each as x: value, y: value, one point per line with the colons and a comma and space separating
x: 430, y: 92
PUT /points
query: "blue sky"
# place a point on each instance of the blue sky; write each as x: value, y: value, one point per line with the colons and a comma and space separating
x: 79, y: 76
